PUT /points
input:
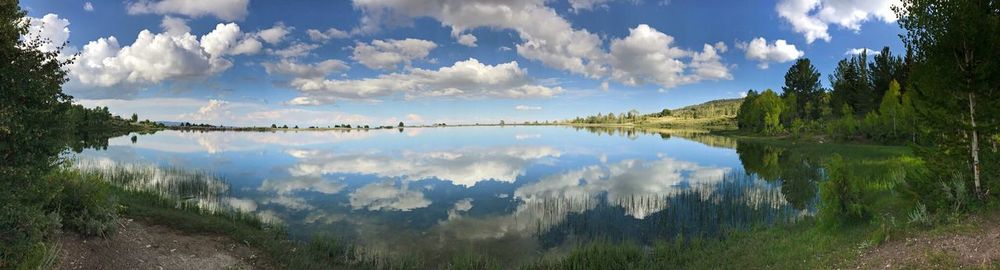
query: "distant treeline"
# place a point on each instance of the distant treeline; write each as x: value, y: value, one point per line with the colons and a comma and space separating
x: 722, y: 108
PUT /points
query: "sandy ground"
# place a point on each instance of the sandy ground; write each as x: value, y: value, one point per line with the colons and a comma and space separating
x: 144, y: 246
x: 978, y: 247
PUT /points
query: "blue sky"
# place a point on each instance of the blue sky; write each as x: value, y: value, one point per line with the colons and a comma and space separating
x: 379, y: 62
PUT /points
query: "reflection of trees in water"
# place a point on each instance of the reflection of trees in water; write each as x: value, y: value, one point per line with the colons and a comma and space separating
x: 700, y: 136
x: 797, y: 173
x: 739, y: 201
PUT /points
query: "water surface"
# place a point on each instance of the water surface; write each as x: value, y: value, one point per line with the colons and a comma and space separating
x: 514, y: 193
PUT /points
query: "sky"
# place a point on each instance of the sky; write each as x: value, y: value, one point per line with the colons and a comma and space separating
x: 379, y: 62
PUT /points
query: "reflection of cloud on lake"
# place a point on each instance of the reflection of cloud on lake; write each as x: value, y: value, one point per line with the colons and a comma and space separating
x: 242, y: 205
x: 527, y: 136
x: 639, y: 187
x: 462, y: 205
x: 466, y: 166
x: 289, y: 202
x: 301, y: 184
x: 379, y: 196
x: 217, y: 142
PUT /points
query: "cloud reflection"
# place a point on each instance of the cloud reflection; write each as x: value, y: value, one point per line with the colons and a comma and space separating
x: 387, y: 196
x: 465, y: 167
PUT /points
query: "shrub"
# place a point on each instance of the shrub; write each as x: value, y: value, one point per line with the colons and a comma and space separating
x: 840, y: 196
x: 85, y: 203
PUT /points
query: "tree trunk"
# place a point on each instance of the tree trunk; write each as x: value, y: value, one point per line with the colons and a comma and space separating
x: 975, y: 143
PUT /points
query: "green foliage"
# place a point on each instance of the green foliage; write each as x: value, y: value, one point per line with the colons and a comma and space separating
x: 840, y: 196
x: 600, y: 255
x: 85, y: 203
x: 762, y: 113
x: 802, y: 79
x: 954, y: 78
x: 847, y: 126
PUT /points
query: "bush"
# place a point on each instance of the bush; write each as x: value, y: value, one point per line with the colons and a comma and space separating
x: 85, y: 203
x: 840, y: 196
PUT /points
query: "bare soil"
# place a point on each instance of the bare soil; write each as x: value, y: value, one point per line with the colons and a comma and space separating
x: 137, y: 245
x: 976, y: 246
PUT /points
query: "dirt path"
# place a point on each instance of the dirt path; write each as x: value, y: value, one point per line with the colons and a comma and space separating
x: 975, y: 247
x: 142, y: 246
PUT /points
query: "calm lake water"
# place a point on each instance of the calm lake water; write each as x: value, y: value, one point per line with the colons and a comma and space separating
x: 513, y: 192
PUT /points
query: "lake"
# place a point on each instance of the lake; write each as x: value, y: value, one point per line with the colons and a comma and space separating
x: 513, y: 192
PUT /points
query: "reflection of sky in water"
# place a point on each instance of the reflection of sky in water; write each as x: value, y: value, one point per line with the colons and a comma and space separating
x: 504, y: 190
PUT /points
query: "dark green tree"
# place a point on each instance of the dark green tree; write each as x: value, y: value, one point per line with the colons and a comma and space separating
x: 802, y: 79
x: 956, y: 78
x: 884, y: 69
x: 32, y: 105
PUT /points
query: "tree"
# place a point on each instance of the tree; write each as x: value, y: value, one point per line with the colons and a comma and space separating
x: 135, y: 118
x: 956, y: 78
x: 802, y: 79
x: 851, y: 85
x: 884, y: 69
x: 744, y: 117
x: 769, y: 107
x: 891, y: 109
x: 274, y: 126
x: 32, y: 107
x: 400, y: 124
x: 791, y: 113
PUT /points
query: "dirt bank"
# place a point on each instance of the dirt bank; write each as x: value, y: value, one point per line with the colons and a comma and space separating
x: 973, y: 245
x: 145, y: 246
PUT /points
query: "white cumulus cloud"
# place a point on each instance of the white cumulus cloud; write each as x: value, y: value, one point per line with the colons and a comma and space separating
x: 468, y: 79
x: 323, y: 36
x: 275, y: 34
x: 389, y: 54
x: 812, y: 18
x: 780, y: 51
x: 226, y: 10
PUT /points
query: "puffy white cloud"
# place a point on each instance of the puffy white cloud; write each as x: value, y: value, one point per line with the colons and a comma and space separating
x: 467, y: 40
x: 546, y: 36
x: 227, y: 39
x: 379, y: 196
x: 469, y: 79
x: 389, y: 54
x: 226, y: 10
x: 323, y: 36
x: 151, y: 59
x: 857, y: 51
x: 275, y: 34
x: 550, y: 39
x: 813, y: 17
x: 297, y: 49
x: 527, y: 108
x: 779, y: 51
x: 578, y: 5
x: 88, y: 6
x: 174, y: 26
x: 646, y: 55
x: 707, y: 64
x: 299, y: 70
x: 49, y: 28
